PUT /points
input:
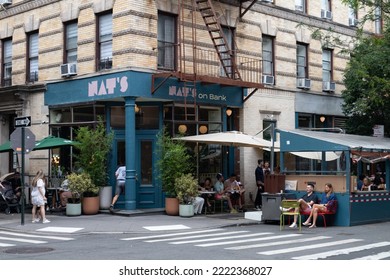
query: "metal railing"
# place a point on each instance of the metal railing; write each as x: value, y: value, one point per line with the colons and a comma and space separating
x: 207, y: 63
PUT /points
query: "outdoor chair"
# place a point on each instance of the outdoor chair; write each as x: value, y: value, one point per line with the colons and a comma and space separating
x: 286, y: 205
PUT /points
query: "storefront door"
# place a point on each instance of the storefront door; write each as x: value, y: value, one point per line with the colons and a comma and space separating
x: 149, y: 195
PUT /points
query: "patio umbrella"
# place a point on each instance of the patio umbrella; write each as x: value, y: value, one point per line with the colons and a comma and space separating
x: 5, y: 147
x: 51, y: 142
x: 228, y: 138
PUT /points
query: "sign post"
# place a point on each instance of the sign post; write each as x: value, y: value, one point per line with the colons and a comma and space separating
x: 22, y: 141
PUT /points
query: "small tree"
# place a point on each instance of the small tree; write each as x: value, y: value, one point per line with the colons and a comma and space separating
x: 174, y: 160
x: 186, y: 187
x: 81, y: 185
x: 94, y: 145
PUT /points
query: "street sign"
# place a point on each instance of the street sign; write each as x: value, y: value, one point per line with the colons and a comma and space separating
x: 23, y: 121
x: 16, y: 140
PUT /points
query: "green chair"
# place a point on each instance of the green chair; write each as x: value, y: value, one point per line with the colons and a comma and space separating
x: 289, y: 204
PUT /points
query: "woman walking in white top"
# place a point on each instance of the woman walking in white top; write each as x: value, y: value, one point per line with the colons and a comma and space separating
x: 38, y: 198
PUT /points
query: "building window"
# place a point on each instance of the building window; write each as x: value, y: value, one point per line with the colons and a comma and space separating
x: 352, y: 16
x: 326, y: 65
x: 326, y: 9
x: 300, y: 5
x: 32, y: 54
x: 378, y: 20
x: 166, y: 37
x: 326, y: 5
x: 268, y: 55
x: 302, y: 65
x: 7, y: 63
x: 104, y: 49
x: 267, y: 133
x: 70, y: 42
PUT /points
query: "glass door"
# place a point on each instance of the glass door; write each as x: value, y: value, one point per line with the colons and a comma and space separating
x: 149, y: 195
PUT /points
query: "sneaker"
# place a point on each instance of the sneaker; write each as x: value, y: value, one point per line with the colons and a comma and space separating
x: 293, y: 225
x: 258, y: 208
x: 45, y: 221
x: 37, y: 220
x: 306, y: 223
x: 233, y: 211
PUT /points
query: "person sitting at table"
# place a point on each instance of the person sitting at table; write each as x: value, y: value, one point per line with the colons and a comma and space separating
x: 305, y: 203
x: 242, y: 190
x: 327, y: 199
x: 382, y: 184
x: 367, y: 184
x: 218, y: 186
x: 232, y: 192
x: 65, y: 193
x: 207, y: 186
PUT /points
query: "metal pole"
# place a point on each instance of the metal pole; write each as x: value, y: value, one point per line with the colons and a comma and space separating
x: 272, y: 146
x: 22, y: 179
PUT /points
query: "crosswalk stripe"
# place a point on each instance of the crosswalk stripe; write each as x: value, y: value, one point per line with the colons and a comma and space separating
x: 23, y: 240
x: 170, y: 234
x: 36, y: 236
x: 379, y: 256
x: 197, y: 236
x: 219, y: 238
x: 341, y: 251
x: 291, y: 241
x: 307, y: 247
x: 6, y: 245
x: 248, y: 240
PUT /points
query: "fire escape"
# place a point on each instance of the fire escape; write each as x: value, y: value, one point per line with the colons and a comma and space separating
x: 218, y: 65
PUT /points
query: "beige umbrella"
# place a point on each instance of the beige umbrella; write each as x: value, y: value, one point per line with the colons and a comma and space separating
x: 228, y: 138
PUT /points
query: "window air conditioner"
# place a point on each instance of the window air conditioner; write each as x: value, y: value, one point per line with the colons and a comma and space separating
x: 303, y: 83
x: 329, y: 86
x: 268, y: 80
x: 299, y: 8
x: 326, y: 14
x: 68, y: 69
x: 353, y: 21
x: 5, y: 2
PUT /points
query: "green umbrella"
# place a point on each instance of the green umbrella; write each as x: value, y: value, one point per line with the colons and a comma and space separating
x: 5, y: 147
x: 51, y: 142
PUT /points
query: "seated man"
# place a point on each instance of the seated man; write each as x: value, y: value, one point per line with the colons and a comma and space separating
x: 305, y: 203
x: 326, y: 204
x: 65, y: 193
x: 232, y: 191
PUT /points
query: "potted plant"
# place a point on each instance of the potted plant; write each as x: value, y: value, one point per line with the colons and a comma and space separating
x: 93, y: 146
x: 173, y: 161
x: 186, y: 187
x: 78, y: 184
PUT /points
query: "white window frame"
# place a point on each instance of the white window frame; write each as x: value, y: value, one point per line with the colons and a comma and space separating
x: 71, y: 37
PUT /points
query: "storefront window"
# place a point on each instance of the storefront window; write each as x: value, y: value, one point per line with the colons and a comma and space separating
x: 147, y: 117
x: 118, y: 117
x: 62, y: 115
x: 181, y: 120
x: 86, y: 113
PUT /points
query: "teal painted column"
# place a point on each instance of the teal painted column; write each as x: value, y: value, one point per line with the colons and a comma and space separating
x: 130, y: 186
x: 387, y: 180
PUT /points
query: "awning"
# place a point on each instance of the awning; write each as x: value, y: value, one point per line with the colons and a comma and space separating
x: 298, y: 140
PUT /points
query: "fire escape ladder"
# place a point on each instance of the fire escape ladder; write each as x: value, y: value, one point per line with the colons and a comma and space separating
x: 218, y: 38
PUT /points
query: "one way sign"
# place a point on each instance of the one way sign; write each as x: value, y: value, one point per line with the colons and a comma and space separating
x: 23, y: 121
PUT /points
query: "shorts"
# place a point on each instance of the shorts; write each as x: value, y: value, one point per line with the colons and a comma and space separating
x: 120, y: 187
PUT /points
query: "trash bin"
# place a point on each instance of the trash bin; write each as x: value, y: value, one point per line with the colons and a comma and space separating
x: 271, y: 203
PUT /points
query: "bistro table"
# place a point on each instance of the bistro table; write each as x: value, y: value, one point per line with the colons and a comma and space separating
x: 207, y: 195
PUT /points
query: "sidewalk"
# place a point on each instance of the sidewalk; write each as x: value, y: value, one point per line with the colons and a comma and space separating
x: 123, y: 221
